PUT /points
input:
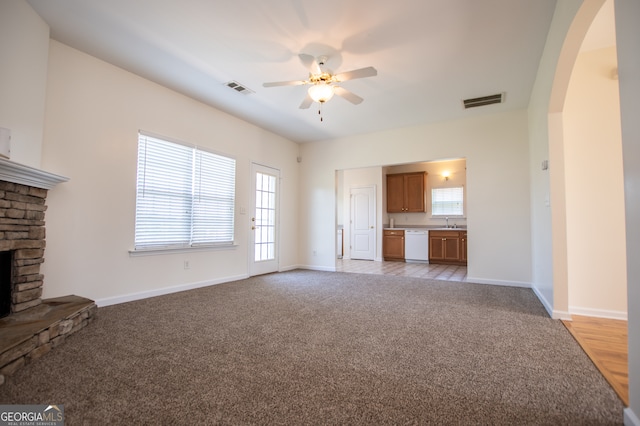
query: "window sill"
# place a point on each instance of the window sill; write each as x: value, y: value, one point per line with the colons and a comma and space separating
x: 160, y: 251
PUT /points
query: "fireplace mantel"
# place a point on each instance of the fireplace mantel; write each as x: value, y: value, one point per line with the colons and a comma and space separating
x: 11, y: 171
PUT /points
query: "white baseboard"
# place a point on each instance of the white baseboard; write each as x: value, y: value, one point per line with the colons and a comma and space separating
x: 162, y: 291
x: 545, y: 303
x: 630, y: 418
x: 473, y: 280
x: 553, y: 313
x: 289, y: 268
x: 561, y: 315
x: 318, y: 268
x: 599, y: 313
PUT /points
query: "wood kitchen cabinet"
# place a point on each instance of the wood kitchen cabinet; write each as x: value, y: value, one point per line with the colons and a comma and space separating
x: 448, y: 247
x: 463, y: 247
x: 406, y: 192
x: 393, y: 244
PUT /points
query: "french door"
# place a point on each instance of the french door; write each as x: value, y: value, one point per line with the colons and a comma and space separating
x: 264, y: 245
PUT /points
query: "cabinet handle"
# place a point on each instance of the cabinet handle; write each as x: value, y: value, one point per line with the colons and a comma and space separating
x: 444, y: 239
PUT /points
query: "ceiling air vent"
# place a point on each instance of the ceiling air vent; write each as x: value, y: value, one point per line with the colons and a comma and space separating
x: 484, y: 100
x: 239, y: 87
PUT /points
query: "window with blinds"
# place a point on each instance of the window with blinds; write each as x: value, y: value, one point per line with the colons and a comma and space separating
x: 185, y: 196
x: 447, y: 201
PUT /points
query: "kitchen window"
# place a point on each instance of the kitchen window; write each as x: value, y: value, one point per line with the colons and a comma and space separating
x: 447, y: 201
x: 185, y: 196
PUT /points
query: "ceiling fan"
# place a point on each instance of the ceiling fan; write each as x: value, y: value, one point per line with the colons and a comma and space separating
x: 324, y: 84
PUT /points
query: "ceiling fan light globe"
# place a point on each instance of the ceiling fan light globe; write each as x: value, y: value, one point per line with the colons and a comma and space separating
x: 321, y: 92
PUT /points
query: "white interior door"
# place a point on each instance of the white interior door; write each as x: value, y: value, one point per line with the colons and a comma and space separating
x: 363, y: 220
x: 264, y: 220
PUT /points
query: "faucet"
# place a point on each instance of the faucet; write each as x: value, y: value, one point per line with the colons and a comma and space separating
x: 447, y: 219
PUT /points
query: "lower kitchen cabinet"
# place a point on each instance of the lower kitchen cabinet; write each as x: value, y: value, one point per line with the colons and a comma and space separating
x: 448, y: 247
x: 463, y: 247
x: 393, y: 244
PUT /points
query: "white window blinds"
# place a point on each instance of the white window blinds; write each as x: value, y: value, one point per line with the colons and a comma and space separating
x: 447, y: 201
x: 185, y: 196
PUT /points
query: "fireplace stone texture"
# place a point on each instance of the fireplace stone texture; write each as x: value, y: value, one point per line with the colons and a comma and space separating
x: 22, y: 231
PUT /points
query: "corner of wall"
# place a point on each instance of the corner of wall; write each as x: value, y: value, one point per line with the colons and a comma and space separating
x: 630, y: 418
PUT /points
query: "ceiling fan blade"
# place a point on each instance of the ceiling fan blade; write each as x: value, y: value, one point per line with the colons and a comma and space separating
x: 359, y: 73
x: 345, y: 94
x: 310, y: 63
x: 285, y: 83
x: 306, y: 103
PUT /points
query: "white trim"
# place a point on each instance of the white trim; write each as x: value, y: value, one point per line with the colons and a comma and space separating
x: 252, y: 265
x: 289, y: 268
x: 11, y: 171
x: 547, y: 305
x: 115, y: 300
x: 553, y: 313
x: 561, y: 315
x: 630, y: 419
x: 373, y: 233
x: 599, y: 313
x: 473, y: 280
x: 176, y: 250
x: 318, y: 268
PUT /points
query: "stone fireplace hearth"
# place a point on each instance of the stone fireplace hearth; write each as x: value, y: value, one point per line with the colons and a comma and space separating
x: 29, y: 326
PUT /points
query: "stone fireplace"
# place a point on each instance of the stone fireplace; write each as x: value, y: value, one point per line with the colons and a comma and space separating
x: 29, y: 326
x: 22, y: 242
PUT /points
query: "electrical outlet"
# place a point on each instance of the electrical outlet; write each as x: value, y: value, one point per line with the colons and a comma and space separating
x: 187, y: 265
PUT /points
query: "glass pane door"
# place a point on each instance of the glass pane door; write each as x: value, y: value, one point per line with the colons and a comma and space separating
x: 264, y: 222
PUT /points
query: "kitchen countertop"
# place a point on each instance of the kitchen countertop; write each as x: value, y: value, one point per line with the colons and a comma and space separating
x: 424, y: 228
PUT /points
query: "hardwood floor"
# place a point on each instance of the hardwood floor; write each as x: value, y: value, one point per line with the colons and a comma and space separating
x: 605, y: 342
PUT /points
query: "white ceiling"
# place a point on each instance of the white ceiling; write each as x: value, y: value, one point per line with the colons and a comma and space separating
x: 430, y: 54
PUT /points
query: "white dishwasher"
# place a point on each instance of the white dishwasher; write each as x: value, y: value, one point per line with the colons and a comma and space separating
x: 416, y: 245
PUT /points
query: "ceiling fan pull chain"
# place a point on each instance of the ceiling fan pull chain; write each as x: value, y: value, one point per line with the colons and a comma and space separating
x: 320, y: 111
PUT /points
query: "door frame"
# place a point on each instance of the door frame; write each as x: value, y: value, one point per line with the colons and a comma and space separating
x: 255, y: 268
x: 372, y: 213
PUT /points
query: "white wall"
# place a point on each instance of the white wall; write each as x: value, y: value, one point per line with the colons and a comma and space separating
x: 548, y: 222
x: 596, y: 261
x: 496, y: 149
x: 627, y: 36
x: 24, y: 43
x: 94, y: 111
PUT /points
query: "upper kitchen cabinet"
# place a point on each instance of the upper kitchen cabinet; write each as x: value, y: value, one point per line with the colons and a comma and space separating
x: 406, y: 192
